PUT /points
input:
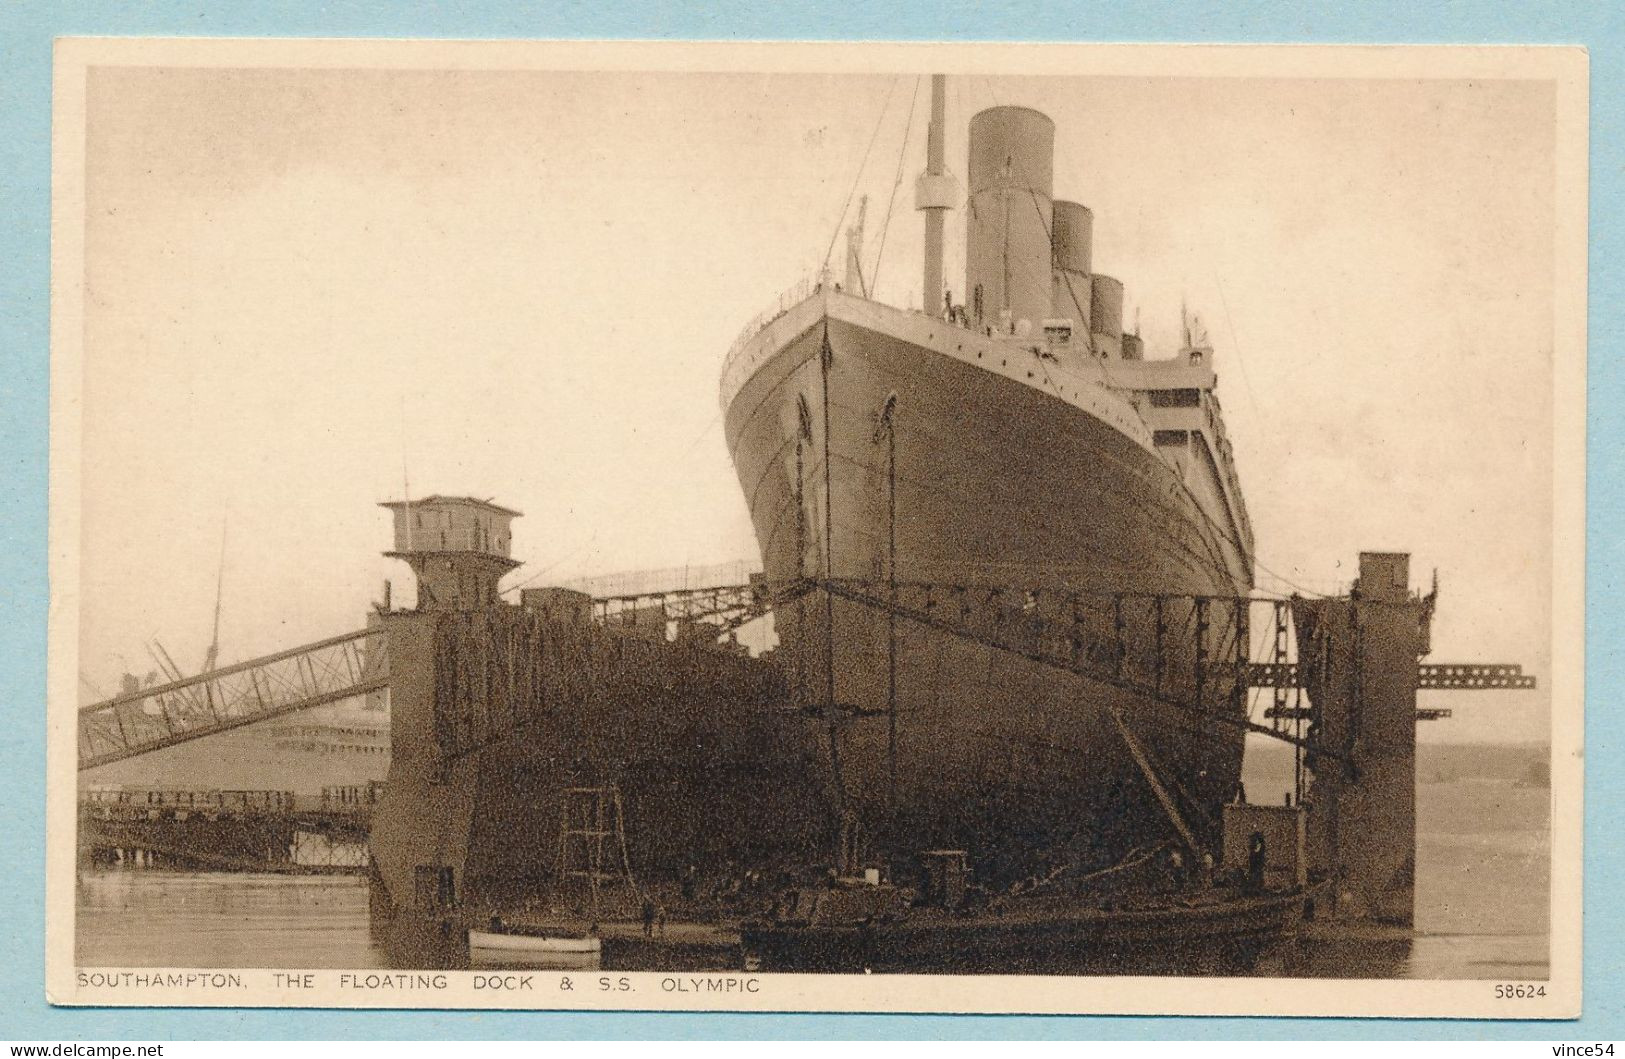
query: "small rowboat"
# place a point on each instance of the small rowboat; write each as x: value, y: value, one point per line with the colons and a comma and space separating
x: 532, y: 943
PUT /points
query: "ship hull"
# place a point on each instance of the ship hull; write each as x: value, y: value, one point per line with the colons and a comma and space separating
x: 936, y: 739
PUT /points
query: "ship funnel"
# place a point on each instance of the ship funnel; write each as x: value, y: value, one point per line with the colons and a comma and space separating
x: 1007, y: 240
x: 1073, y: 230
x: 1106, y: 316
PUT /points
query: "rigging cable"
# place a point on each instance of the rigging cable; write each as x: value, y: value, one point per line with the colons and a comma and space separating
x: 590, y: 541
x: 902, y: 155
x: 858, y: 177
x: 1236, y: 345
x: 1247, y: 382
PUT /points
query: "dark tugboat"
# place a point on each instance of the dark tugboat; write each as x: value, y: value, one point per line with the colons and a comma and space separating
x: 1113, y: 922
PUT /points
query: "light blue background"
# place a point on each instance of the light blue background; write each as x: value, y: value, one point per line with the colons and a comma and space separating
x: 26, y: 32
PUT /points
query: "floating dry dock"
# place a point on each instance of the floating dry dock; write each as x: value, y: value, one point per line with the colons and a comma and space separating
x: 586, y: 761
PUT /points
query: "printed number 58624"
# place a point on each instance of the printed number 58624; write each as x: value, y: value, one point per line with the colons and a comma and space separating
x: 1519, y: 992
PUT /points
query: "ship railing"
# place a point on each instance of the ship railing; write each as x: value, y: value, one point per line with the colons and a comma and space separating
x: 788, y: 299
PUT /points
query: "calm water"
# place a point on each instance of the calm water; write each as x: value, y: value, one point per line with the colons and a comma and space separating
x: 1482, y: 907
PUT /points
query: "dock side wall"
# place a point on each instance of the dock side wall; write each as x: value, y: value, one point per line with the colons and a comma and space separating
x: 715, y: 776
x: 424, y: 815
x: 1360, y: 655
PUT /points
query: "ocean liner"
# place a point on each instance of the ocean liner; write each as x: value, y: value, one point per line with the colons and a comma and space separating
x: 1022, y: 442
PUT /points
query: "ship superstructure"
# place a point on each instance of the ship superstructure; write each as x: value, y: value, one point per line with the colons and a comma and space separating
x: 1019, y: 441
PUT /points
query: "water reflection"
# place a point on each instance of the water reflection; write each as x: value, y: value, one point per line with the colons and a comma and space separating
x: 1481, y: 914
x: 143, y: 917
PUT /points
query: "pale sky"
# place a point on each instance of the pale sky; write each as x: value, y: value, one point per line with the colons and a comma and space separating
x: 305, y: 287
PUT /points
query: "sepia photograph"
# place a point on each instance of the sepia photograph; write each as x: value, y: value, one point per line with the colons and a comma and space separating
x: 800, y: 527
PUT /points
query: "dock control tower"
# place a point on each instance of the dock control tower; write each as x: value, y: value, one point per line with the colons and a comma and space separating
x: 458, y: 547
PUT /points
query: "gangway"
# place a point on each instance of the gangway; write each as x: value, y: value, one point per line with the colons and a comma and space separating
x: 723, y: 607
x: 1060, y: 630
x: 316, y: 674
x: 1050, y: 627
x: 348, y: 666
x: 1024, y: 622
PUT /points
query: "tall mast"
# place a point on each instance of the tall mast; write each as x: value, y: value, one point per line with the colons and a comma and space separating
x: 213, y: 654
x: 935, y: 193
